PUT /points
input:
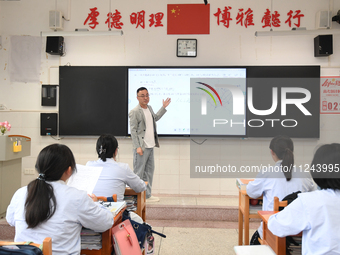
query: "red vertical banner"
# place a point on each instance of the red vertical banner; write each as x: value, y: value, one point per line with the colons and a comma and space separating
x: 188, y: 19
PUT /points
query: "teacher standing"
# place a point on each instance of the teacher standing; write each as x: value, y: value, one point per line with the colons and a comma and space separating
x: 144, y: 138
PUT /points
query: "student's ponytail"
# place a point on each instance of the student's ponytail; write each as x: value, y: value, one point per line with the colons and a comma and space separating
x: 106, y: 146
x: 283, y: 147
x: 41, y: 204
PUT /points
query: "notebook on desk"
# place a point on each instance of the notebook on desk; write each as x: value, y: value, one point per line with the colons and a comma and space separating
x: 242, y: 183
x: 116, y: 207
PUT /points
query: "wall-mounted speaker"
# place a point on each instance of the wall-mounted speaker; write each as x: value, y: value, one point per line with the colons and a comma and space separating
x: 48, y: 95
x: 48, y: 123
x: 55, y: 45
x: 323, y: 45
x: 323, y: 19
x: 56, y: 21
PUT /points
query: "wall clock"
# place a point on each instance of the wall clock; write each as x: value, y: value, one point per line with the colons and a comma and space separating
x: 186, y: 47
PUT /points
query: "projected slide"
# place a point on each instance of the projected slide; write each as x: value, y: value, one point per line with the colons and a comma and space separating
x: 164, y: 82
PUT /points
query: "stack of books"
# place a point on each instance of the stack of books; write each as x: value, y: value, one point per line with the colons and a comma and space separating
x: 90, y: 240
x: 294, y: 245
x: 131, y: 203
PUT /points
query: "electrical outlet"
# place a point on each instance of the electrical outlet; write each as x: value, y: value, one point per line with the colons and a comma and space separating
x: 29, y: 171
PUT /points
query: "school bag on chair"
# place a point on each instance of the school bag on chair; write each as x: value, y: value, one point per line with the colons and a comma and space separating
x: 22, y: 250
x: 125, y: 240
x: 143, y: 231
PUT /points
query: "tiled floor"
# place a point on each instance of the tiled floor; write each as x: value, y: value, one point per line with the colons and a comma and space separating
x: 204, y: 200
x: 197, y: 237
x: 194, y: 241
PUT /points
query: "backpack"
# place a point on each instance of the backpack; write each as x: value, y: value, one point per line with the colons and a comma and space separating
x: 290, y: 198
x: 23, y: 249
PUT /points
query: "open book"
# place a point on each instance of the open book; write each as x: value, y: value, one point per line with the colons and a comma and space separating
x: 242, y: 183
x: 85, y: 178
x: 116, y: 207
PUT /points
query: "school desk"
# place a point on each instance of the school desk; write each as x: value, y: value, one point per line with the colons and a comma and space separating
x: 107, y: 245
x: 278, y: 244
x: 244, y: 212
x: 141, y: 201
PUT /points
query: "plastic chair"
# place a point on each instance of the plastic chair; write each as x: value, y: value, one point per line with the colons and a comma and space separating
x: 46, y: 246
x: 114, y: 197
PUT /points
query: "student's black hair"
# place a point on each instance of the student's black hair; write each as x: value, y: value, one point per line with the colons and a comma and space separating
x: 141, y: 88
x: 52, y: 162
x: 283, y: 147
x: 106, y: 146
x: 325, y: 166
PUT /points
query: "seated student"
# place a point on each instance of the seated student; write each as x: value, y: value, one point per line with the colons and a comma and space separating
x: 316, y: 213
x: 47, y: 207
x: 115, y: 175
x: 280, y: 180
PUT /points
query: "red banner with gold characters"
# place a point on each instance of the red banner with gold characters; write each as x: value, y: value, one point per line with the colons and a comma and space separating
x: 330, y: 95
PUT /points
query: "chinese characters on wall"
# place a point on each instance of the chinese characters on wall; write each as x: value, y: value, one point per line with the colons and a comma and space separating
x: 330, y: 95
x: 225, y: 16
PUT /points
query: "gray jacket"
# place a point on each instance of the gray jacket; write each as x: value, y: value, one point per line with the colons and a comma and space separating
x: 137, y: 125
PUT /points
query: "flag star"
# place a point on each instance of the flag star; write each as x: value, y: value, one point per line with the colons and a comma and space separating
x: 173, y: 11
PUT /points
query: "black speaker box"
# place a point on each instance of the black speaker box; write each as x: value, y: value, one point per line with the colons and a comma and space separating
x: 323, y: 45
x: 55, y: 45
x: 49, y: 95
x: 48, y: 123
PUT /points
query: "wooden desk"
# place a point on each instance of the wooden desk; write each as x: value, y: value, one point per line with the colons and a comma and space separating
x: 243, y: 212
x: 141, y: 201
x: 107, y: 246
x: 278, y: 244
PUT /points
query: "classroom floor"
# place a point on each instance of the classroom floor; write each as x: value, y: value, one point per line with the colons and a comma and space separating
x: 197, y: 237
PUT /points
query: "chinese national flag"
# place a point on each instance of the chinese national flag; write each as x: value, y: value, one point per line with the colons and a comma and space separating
x: 188, y: 19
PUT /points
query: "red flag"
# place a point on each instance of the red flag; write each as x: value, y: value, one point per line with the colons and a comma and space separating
x: 188, y: 19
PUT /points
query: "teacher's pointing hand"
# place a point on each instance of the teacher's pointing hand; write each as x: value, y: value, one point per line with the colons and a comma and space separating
x: 166, y: 102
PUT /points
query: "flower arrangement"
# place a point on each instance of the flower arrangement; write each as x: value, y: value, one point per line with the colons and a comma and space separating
x: 4, y: 126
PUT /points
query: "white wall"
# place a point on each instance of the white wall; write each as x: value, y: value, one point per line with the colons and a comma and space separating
x: 152, y: 46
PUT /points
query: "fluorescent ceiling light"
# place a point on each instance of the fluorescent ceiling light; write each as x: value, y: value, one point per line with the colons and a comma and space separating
x: 298, y: 32
x: 81, y: 33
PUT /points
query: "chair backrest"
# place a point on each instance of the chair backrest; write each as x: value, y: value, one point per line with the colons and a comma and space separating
x: 114, y: 197
x: 46, y: 249
x: 278, y: 203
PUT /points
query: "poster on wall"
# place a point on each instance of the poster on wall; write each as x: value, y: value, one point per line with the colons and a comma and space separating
x: 330, y: 94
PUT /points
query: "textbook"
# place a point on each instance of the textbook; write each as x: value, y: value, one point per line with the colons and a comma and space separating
x: 242, y: 183
x: 115, y: 207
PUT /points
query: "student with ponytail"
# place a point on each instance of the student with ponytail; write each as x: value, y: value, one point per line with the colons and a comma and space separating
x: 279, y: 180
x: 315, y: 214
x: 115, y: 175
x: 47, y: 207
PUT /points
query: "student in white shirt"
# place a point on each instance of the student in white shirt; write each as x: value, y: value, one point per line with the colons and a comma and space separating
x: 279, y: 180
x: 115, y: 175
x: 316, y: 213
x: 47, y: 207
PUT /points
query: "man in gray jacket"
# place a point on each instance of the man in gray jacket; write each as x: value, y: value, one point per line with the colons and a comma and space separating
x: 144, y: 138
